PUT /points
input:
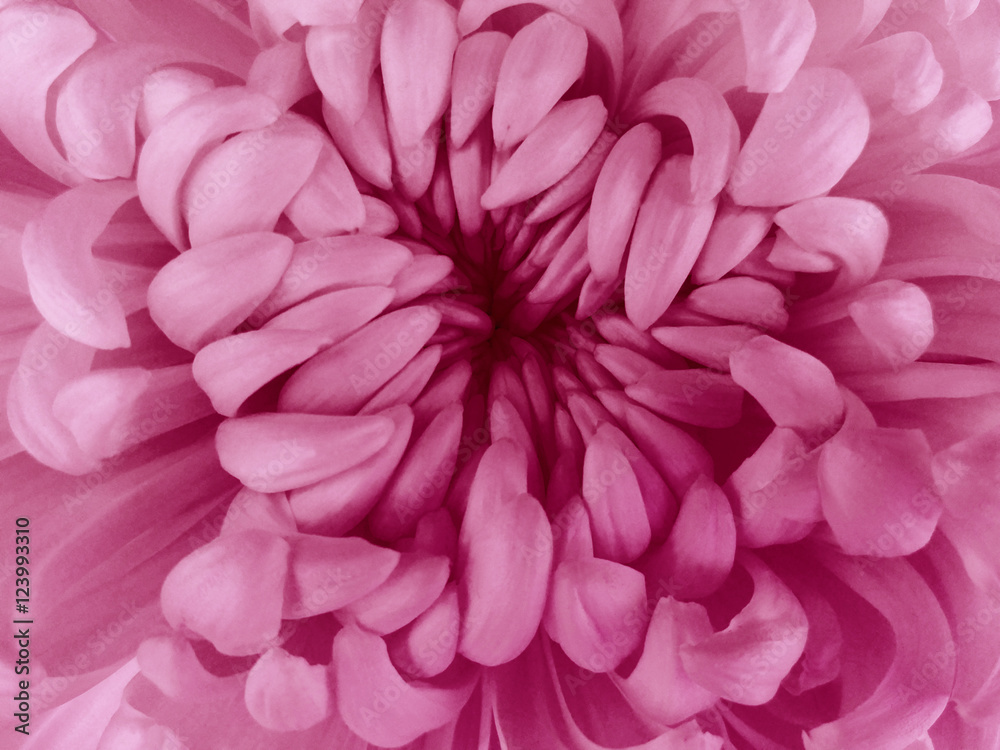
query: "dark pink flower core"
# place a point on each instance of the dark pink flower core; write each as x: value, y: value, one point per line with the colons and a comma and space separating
x: 485, y: 374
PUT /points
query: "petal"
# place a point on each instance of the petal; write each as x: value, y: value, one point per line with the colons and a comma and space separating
x: 39, y: 42
x: 244, y: 184
x: 276, y: 452
x: 342, y: 59
x: 901, y: 69
x: 286, y: 693
x: 853, y: 233
x: 559, y: 142
x: 596, y: 612
x: 550, y: 43
x: 418, y: 43
x: 336, y: 505
x: 328, y: 573
x: 698, y: 397
x: 230, y: 591
x: 804, y: 141
x: 427, y: 646
x: 795, y: 389
x: 171, y: 148
x: 362, y: 363
x: 669, y: 234
x: 878, y: 491
x: 232, y: 369
x: 474, y: 82
x: 747, y: 661
x: 617, y: 197
x: 364, y: 144
x: 334, y: 315
x: 329, y: 202
x: 599, y: 19
x: 67, y: 285
x: 699, y: 553
x: 412, y: 587
x: 378, y: 704
x: 776, y: 38
x: 735, y: 232
x: 658, y: 686
x: 714, y: 132
x: 185, y: 298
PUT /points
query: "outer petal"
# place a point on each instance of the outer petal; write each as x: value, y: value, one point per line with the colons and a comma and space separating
x: 804, y: 141
x: 776, y: 36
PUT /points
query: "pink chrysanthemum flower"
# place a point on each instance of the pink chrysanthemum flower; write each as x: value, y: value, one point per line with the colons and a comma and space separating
x: 474, y: 374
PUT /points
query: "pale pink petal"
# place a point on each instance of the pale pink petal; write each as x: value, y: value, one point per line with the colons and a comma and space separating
x: 417, y: 45
x: 714, y: 132
x: 795, y: 389
x: 747, y: 661
x: 39, y: 42
x: 618, y: 196
x: 901, y: 69
x: 328, y: 573
x: 804, y: 141
x: 742, y: 300
x: 559, y: 142
x: 342, y: 59
x: 699, y: 553
x: 364, y: 144
x: 407, y: 384
x: 336, y: 505
x: 276, y: 452
x: 230, y: 591
x: 184, y: 299
x: 523, y: 98
x: 427, y: 646
x: 849, y: 232
x: 776, y: 38
x: 378, y: 704
x: 109, y: 411
x: 878, y: 491
x: 334, y: 315
x: 975, y: 38
x: 474, y: 81
x: 735, y: 232
x: 697, y: 396
x: 286, y: 693
x: 282, y: 72
x: 658, y: 686
x: 469, y: 168
x: 67, y: 285
x: 165, y: 90
x: 595, y: 612
x: 599, y: 19
x: 411, y: 588
x: 171, y: 148
x: 273, y: 18
x: 254, y: 510
x: 422, y: 477
x: 678, y: 457
x: 232, y: 369
x: 225, y: 193
x: 329, y: 202
x: 707, y: 345
x: 362, y: 363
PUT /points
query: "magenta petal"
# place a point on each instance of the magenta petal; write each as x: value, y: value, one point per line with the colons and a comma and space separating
x: 559, y: 142
x: 658, y: 686
x: 327, y: 573
x: 255, y: 510
x: 342, y: 59
x: 901, y: 69
x: 795, y: 389
x: 696, y: 396
x: 878, y: 492
x: 276, y: 452
x: 596, y: 612
x: 170, y: 149
x: 699, y: 553
x: 747, y: 661
x: 67, y: 285
x: 286, y: 693
x: 378, y: 704
x: 669, y: 234
x: 365, y: 143
x: 523, y: 98
x: 617, y: 197
x: 230, y: 591
x: 790, y: 156
x: 186, y: 302
x: 40, y: 42
x: 427, y: 646
x: 329, y: 202
x: 418, y: 42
